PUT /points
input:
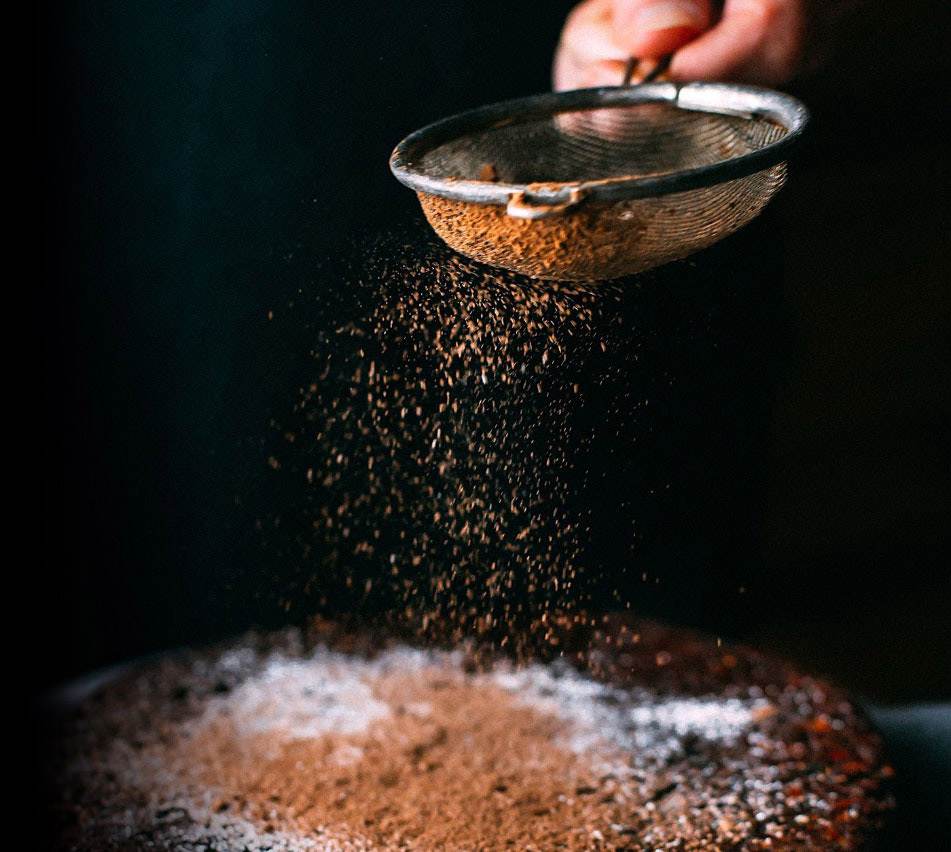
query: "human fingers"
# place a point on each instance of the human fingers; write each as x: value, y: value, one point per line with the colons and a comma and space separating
x: 587, y: 54
x: 756, y: 41
x: 601, y: 35
x: 653, y: 28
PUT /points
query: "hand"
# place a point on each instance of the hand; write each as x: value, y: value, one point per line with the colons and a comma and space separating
x: 754, y: 41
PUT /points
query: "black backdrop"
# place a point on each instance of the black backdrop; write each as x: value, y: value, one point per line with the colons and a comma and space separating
x: 192, y: 150
x: 198, y: 154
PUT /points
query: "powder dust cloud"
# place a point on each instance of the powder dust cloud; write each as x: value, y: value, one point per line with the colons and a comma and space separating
x: 472, y: 452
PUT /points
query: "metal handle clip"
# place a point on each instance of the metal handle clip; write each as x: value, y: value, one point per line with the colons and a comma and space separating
x: 660, y: 68
x: 520, y: 208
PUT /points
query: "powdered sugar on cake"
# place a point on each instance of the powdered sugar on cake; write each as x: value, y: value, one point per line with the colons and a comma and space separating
x: 269, y: 746
x: 647, y: 729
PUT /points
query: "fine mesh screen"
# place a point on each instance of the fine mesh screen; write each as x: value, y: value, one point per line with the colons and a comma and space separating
x: 595, y: 144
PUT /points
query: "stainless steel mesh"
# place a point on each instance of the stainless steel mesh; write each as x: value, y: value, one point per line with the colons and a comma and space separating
x: 601, y: 183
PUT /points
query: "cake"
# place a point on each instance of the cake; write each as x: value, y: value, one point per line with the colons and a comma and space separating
x: 622, y: 735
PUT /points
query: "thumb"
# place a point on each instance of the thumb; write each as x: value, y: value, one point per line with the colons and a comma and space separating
x: 654, y: 28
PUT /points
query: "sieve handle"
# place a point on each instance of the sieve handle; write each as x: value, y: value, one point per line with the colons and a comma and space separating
x: 519, y: 207
x: 661, y: 67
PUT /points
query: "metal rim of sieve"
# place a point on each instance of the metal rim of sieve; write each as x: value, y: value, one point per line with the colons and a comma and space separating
x: 539, y: 200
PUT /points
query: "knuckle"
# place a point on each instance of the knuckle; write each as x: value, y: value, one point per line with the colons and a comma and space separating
x: 778, y: 28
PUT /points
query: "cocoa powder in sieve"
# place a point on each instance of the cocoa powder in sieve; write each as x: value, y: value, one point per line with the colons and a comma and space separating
x: 602, y: 240
x: 583, y: 245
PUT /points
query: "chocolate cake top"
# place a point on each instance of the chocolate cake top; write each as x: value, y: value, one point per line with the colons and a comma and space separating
x: 632, y: 736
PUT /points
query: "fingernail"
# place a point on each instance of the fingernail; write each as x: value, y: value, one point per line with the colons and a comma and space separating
x: 667, y: 16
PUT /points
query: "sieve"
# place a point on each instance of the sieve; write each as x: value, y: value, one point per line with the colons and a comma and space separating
x: 605, y: 182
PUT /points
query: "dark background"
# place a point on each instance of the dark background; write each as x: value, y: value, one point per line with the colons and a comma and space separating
x: 197, y: 155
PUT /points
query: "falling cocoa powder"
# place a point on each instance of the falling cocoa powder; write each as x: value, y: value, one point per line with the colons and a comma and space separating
x: 435, y: 440
x: 474, y: 452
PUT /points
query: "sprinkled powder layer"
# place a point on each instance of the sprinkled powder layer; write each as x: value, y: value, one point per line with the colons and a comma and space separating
x: 645, y: 739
